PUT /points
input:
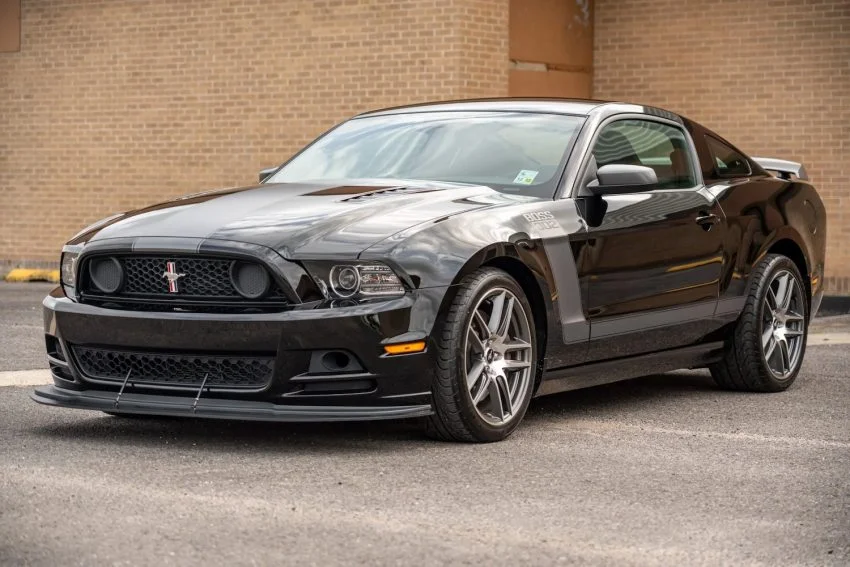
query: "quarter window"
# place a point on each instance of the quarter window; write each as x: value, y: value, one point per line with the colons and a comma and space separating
x: 727, y: 161
x: 652, y: 144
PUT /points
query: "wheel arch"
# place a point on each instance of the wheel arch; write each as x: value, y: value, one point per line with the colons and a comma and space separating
x: 523, y: 265
x: 793, y: 251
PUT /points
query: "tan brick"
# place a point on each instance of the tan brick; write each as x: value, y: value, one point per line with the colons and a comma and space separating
x: 773, y: 77
x: 119, y: 104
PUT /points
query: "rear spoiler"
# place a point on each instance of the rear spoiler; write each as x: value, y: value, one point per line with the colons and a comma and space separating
x: 782, y: 168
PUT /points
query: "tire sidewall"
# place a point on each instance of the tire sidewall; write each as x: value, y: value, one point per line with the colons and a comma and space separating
x: 480, y: 428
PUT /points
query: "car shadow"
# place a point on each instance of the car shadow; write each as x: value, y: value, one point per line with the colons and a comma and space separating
x: 625, y: 395
x: 398, y: 435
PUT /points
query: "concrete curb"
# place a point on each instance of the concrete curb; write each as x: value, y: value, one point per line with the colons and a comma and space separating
x: 32, y: 275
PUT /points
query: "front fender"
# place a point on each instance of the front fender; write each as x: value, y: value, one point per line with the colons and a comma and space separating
x: 535, y: 235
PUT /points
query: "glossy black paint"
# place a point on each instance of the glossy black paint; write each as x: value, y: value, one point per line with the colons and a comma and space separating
x: 648, y: 280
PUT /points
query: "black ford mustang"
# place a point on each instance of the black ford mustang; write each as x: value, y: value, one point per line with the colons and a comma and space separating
x: 446, y: 261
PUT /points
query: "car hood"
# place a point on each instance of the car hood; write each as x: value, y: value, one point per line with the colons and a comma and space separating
x: 303, y: 220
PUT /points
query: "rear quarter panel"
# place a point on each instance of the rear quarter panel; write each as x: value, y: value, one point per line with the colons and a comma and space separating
x: 761, y: 212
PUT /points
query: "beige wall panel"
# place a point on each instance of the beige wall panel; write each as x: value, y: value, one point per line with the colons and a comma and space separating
x: 549, y: 84
x: 557, y: 32
x: 10, y: 25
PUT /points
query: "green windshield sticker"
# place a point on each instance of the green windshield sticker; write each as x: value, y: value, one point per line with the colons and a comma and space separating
x: 525, y: 177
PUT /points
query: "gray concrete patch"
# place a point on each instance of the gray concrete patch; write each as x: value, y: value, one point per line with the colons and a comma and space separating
x: 21, y: 327
x: 664, y: 470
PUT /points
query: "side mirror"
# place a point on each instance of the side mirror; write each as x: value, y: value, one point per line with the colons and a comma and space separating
x: 266, y: 173
x: 618, y: 179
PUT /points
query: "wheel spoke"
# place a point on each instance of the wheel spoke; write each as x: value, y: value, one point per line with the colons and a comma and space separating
x: 516, y: 345
x: 474, y: 374
x: 785, y: 292
x: 792, y: 317
x: 504, y: 394
x: 475, y: 341
x: 507, y: 314
x: 482, y: 324
x: 793, y: 332
x: 496, y: 402
x: 784, y: 356
x: 771, y: 298
x: 516, y: 364
x: 496, y: 313
x: 769, y: 348
x: 483, y: 390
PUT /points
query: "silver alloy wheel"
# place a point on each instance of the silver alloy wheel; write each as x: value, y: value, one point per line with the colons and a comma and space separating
x: 498, y: 356
x: 783, y: 324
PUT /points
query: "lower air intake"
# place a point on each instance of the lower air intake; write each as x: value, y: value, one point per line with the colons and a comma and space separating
x: 169, y: 369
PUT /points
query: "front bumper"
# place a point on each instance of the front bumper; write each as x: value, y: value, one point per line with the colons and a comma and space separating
x: 397, y: 386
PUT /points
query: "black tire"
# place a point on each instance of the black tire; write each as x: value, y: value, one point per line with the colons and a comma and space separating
x: 744, y: 366
x: 456, y: 417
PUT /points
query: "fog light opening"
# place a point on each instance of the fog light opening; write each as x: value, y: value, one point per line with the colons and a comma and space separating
x: 335, y: 360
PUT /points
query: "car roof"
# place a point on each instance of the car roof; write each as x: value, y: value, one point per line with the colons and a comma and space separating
x: 580, y: 107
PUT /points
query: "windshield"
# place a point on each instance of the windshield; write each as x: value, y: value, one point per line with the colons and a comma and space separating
x: 514, y: 152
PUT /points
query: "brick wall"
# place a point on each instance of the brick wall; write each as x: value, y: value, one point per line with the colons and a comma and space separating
x: 115, y: 104
x: 773, y: 76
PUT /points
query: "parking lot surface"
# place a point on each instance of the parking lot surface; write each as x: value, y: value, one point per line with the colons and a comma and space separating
x: 663, y: 470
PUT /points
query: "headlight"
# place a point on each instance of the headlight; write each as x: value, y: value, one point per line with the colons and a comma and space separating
x: 345, y: 280
x: 69, y: 268
x: 356, y: 280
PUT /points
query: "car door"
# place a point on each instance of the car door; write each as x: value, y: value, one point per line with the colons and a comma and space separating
x: 650, y: 261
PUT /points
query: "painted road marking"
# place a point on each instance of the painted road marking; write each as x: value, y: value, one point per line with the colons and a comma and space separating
x: 25, y: 378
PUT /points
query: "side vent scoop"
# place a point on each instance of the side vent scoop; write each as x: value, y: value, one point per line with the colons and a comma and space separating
x: 782, y: 168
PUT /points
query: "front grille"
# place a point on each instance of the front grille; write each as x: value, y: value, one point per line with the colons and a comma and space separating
x: 204, y: 277
x: 199, y: 283
x: 174, y: 369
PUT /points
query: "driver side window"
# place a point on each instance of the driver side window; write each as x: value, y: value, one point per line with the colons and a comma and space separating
x: 652, y: 144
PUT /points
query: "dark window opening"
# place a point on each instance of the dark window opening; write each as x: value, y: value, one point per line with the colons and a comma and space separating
x: 727, y: 161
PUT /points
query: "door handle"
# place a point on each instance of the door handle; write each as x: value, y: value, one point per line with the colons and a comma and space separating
x: 707, y: 220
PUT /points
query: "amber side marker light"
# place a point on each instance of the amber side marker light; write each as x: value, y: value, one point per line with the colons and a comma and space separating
x: 405, y: 348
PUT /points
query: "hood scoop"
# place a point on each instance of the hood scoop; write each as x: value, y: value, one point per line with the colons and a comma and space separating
x: 372, y: 195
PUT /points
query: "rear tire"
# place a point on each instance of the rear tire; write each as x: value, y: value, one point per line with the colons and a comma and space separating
x: 486, y: 361
x: 765, y: 352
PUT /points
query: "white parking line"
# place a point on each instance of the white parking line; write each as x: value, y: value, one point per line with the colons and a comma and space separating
x: 829, y: 339
x: 25, y: 378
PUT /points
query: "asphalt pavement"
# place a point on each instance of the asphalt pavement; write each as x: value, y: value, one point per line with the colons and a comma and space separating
x: 663, y: 470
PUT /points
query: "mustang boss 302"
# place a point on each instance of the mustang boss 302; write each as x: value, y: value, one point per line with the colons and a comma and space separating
x: 446, y: 261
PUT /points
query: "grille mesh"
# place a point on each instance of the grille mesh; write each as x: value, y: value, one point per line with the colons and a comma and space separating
x: 204, y: 277
x: 175, y: 369
x: 201, y: 279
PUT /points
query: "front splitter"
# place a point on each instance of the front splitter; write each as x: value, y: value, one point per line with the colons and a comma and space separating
x: 146, y: 404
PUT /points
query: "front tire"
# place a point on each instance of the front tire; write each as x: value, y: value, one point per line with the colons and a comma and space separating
x: 766, y: 350
x: 486, y: 360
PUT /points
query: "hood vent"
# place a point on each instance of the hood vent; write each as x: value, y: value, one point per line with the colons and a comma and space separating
x: 388, y: 191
